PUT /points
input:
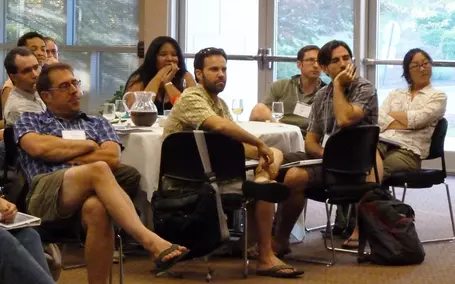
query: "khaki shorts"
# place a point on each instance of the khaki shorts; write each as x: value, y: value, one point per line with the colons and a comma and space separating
x: 43, y: 198
x: 397, y: 159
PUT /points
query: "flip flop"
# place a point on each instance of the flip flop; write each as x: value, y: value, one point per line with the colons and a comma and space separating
x: 347, y: 245
x: 163, y: 266
x: 267, y: 191
x: 275, y: 272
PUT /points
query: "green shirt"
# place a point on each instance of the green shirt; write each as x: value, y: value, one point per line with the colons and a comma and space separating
x: 290, y: 91
x: 193, y: 107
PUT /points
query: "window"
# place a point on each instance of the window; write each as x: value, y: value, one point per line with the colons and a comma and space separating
x: 97, y: 38
x: 427, y: 24
x: 236, y: 31
x: 46, y: 17
x: 303, y: 22
x: 106, y: 22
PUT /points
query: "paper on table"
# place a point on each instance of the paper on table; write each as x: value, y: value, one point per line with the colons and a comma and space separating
x: 125, y: 129
x: 302, y: 163
x: 250, y: 164
x: 21, y: 221
x: 253, y: 163
x: 390, y: 141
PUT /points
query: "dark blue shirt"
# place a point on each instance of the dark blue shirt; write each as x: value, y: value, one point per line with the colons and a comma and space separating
x: 96, y: 128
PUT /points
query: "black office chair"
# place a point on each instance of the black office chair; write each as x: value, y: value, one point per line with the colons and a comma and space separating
x: 426, y: 178
x: 180, y: 158
x: 349, y: 155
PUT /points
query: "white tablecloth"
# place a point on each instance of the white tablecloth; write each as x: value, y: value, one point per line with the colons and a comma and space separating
x: 143, y: 149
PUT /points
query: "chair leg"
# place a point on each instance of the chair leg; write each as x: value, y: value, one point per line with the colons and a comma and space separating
x: 393, y: 192
x: 348, y: 217
x: 405, y: 187
x: 120, y: 245
x: 304, y: 219
x: 245, y: 242
x: 71, y: 266
x: 449, y: 239
x: 328, y: 210
x: 208, y: 276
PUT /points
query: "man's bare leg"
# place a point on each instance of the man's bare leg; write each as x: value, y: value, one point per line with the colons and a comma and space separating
x: 370, y: 178
x: 264, y: 212
x: 81, y: 182
x: 289, y: 211
x: 99, y: 242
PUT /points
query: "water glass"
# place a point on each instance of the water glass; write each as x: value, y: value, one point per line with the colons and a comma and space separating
x: 120, y: 109
x: 237, y: 108
x: 277, y: 111
x: 109, y: 111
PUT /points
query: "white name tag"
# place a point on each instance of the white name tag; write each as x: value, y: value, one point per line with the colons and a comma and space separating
x: 326, y: 137
x: 73, y: 134
x: 302, y: 110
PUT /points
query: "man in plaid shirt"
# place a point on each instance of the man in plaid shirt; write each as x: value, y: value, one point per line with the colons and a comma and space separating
x: 71, y: 162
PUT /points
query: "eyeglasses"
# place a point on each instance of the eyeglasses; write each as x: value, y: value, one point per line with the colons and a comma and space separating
x: 423, y: 65
x: 66, y: 86
x: 28, y: 70
x: 309, y: 61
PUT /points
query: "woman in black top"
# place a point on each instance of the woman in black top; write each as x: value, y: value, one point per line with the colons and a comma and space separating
x: 163, y: 72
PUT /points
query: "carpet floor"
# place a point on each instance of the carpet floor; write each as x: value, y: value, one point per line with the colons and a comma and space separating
x: 432, y: 221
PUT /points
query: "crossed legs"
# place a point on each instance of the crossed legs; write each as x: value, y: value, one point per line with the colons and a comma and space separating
x: 94, y: 188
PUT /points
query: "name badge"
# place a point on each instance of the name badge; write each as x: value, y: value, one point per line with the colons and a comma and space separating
x: 302, y: 109
x: 74, y: 134
x: 326, y: 137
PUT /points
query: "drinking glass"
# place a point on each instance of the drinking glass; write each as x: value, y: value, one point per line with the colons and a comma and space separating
x: 120, y: 109
x: 109, y: 111
x: 237, y: 108
x: 277, y: 111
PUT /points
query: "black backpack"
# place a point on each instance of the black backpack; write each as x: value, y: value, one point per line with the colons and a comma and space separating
x: 387, y: 225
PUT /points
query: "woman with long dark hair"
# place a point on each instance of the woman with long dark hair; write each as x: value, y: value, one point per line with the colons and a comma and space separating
x: 163, y: 72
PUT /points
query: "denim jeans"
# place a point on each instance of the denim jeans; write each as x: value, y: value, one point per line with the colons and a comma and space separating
x: 22, y: 258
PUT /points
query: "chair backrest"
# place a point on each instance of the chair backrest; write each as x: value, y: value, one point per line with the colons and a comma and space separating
x: 437, y: 140
x: 180, y: 157
x: 11, y: 151
x: 351, y: 150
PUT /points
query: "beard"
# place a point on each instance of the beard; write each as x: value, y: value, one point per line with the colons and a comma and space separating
x: 212, y: 88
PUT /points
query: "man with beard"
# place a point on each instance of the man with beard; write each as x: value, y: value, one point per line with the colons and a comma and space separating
x: 201, y: 108
x: 347, y: 101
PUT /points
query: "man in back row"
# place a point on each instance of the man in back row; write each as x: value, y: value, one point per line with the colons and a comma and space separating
x: 201, y: 108
x: 34, y: 42
x: 297, y: 93
x: 23, y: 69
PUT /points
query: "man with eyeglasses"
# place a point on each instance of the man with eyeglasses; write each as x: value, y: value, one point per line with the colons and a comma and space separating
x: 23, y: 69
x: 72, y: 164
x: 296, y: 93
x: 347, y: 101
x: 34, y: 42
x: 408, y: 116
x: 51, y: 50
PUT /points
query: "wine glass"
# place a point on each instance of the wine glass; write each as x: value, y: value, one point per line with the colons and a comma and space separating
x: 277, y: 111
x: 109, y: 111
x: 237, y: 108
x: 120, y: 109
